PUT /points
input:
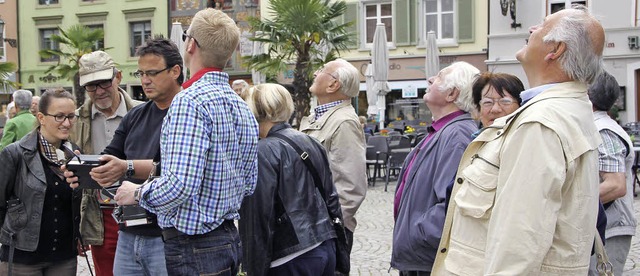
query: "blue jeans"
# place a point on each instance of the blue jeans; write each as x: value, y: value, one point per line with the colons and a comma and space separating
x: 218, y: 252
x: 139, y: 255
x: 319, y: 261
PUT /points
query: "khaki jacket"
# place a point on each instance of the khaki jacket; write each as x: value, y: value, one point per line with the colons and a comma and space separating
x: 91, y: 226
x: 341, y: 134
x: 525, y: 198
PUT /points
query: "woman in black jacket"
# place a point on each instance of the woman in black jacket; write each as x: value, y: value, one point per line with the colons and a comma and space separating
x: 285, y: 225
x: 39, y: 212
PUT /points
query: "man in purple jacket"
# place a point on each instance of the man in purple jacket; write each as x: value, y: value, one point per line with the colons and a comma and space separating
x: 428, y: 171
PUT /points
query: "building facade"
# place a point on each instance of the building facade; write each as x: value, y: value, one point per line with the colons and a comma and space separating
x: 8, y: 45
x: 126, y: 25
x: 507, y: 34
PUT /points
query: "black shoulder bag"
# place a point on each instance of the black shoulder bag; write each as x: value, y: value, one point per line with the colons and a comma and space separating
x: 343, y: 261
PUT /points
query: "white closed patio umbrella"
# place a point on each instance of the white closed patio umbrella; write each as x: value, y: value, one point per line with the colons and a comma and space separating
x: 432, y: 60
x: 258, y: 49
x: 176, y: 37
x: 380, y: 62
x: 372, y: 95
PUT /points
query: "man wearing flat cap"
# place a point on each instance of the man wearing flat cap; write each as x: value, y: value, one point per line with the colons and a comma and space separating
x: 99, y: 117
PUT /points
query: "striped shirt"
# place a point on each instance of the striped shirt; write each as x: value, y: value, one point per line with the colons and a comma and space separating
x: 209, y: 158
x: 611, y: 153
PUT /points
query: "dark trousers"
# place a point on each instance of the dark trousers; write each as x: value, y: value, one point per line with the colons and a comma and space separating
x: 61, y: 268
x: 415, y: 273
x: 349, y: 239
x: 218, y: 252
x: 320, y: 261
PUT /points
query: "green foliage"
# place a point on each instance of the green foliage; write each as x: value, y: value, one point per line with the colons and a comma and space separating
x: 296, y: 32
x: 74, y: 42
x: 6, y: 68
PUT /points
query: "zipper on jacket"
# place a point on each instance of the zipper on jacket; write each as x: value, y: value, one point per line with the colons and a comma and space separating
x: 473, y: 158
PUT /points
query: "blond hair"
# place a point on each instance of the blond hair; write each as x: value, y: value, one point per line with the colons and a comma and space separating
x: 217, y: 36
x: 271, y: 102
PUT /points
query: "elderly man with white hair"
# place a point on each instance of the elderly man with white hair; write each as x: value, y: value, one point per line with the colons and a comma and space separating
x: 335, y: 124
x: 22, y: 123
x: 428, y: 171
x: 526, y: 195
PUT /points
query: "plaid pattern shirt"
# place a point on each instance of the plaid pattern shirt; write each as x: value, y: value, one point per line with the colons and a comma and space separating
x: 322, y: 109
x: 611, y: 153
x: 209, y: 158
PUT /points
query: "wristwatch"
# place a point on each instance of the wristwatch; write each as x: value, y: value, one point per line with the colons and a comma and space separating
x: 130, y: 170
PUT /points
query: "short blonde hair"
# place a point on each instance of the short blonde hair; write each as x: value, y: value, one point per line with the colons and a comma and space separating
x: 217, y: 36
x: 271, y: 102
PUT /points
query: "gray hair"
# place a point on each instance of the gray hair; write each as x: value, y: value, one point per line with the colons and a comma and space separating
x: 22, y: 99
x: 9, y: 107
x: 580, y: 61
x: 349, y: 78
x: 240, y: 82
x: 461, y: 76
x: 604, y: 92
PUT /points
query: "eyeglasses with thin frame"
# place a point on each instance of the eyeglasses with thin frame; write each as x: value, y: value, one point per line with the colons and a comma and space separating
x: 321, y: 71
x: 61, y: 117
x: 105, y: 84
x: 149, y: 73
x: 185, y: 35
x: 489, y: 102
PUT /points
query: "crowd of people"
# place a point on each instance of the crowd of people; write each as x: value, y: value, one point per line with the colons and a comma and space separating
x: 507, y: 181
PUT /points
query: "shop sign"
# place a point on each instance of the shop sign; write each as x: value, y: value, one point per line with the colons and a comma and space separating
x: 409, y: 91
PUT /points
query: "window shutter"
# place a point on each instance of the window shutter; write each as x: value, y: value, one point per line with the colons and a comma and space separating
x: 402, y: 23
x: 465, y: 21
x: 414, y: 16
x: 351, y: 15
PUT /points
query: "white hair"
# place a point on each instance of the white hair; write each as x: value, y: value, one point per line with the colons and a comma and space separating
x: 22, y: 99
x: 349, y: 78
x: 240, y: 82
x: 580, y: 61
x: 9, y: 107
x: 460, y: 75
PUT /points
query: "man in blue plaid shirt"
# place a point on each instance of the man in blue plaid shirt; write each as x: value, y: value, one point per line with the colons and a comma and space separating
x: 208, y: 158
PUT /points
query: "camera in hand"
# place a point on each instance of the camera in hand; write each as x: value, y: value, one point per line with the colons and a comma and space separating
x: 132, y: 215
x: 81, y: 165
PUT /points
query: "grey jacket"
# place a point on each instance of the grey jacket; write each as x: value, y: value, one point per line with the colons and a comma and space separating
x: 422, y: 207
x: 621, y: 220
x: 22, y: 176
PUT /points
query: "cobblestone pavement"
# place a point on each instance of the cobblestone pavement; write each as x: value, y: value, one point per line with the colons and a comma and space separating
x: 372, y: 239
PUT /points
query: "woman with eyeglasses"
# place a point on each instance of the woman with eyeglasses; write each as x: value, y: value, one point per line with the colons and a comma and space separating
x: 496, y: 95
x: 39, y: 212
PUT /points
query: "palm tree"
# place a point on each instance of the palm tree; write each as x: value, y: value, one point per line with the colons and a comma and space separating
x: 6, y: 68
x: 78, y: 40
x: 297, y: 32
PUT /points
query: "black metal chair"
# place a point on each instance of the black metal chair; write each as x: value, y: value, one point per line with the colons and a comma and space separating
x: 377, y: 155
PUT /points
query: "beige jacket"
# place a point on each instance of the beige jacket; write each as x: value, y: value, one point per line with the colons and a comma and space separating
x: 91, y: 225
x: 341, y: 134
x: 526, y: 195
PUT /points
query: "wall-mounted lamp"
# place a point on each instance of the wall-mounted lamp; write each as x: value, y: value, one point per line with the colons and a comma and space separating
x: 633, y: 42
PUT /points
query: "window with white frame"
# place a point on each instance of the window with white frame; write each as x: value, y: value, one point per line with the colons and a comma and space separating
x: 46, y: 43
x: 439, y: 16
x: 140, y: 31
x: 47, y: 2
x: 374, y: 13
x: 558, y: 5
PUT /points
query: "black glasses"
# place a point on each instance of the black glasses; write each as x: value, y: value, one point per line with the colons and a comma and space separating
x: 103, y: 84
x: 185, y: 35
x: 149, y: 73
x: 61, y: 117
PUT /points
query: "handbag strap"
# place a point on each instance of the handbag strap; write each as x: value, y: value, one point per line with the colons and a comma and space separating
x: 603, y: 266
x: 312, y: 169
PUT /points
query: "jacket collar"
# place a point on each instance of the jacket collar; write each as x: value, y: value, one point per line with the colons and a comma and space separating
x: 278, y: 127
x: 29, y: 145
x: 318, y: 124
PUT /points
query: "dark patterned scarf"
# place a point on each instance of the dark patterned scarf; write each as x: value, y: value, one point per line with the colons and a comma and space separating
x: 56, y: 157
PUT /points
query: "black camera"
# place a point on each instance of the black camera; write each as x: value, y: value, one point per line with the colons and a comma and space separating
x: 132, y: 215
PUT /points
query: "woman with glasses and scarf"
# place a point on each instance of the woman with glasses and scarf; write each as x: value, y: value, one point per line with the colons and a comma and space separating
x: 39, y: 212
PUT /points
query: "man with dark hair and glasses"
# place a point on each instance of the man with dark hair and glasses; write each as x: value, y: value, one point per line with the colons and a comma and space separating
x: 99, y: 117
x: 130, y: 154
